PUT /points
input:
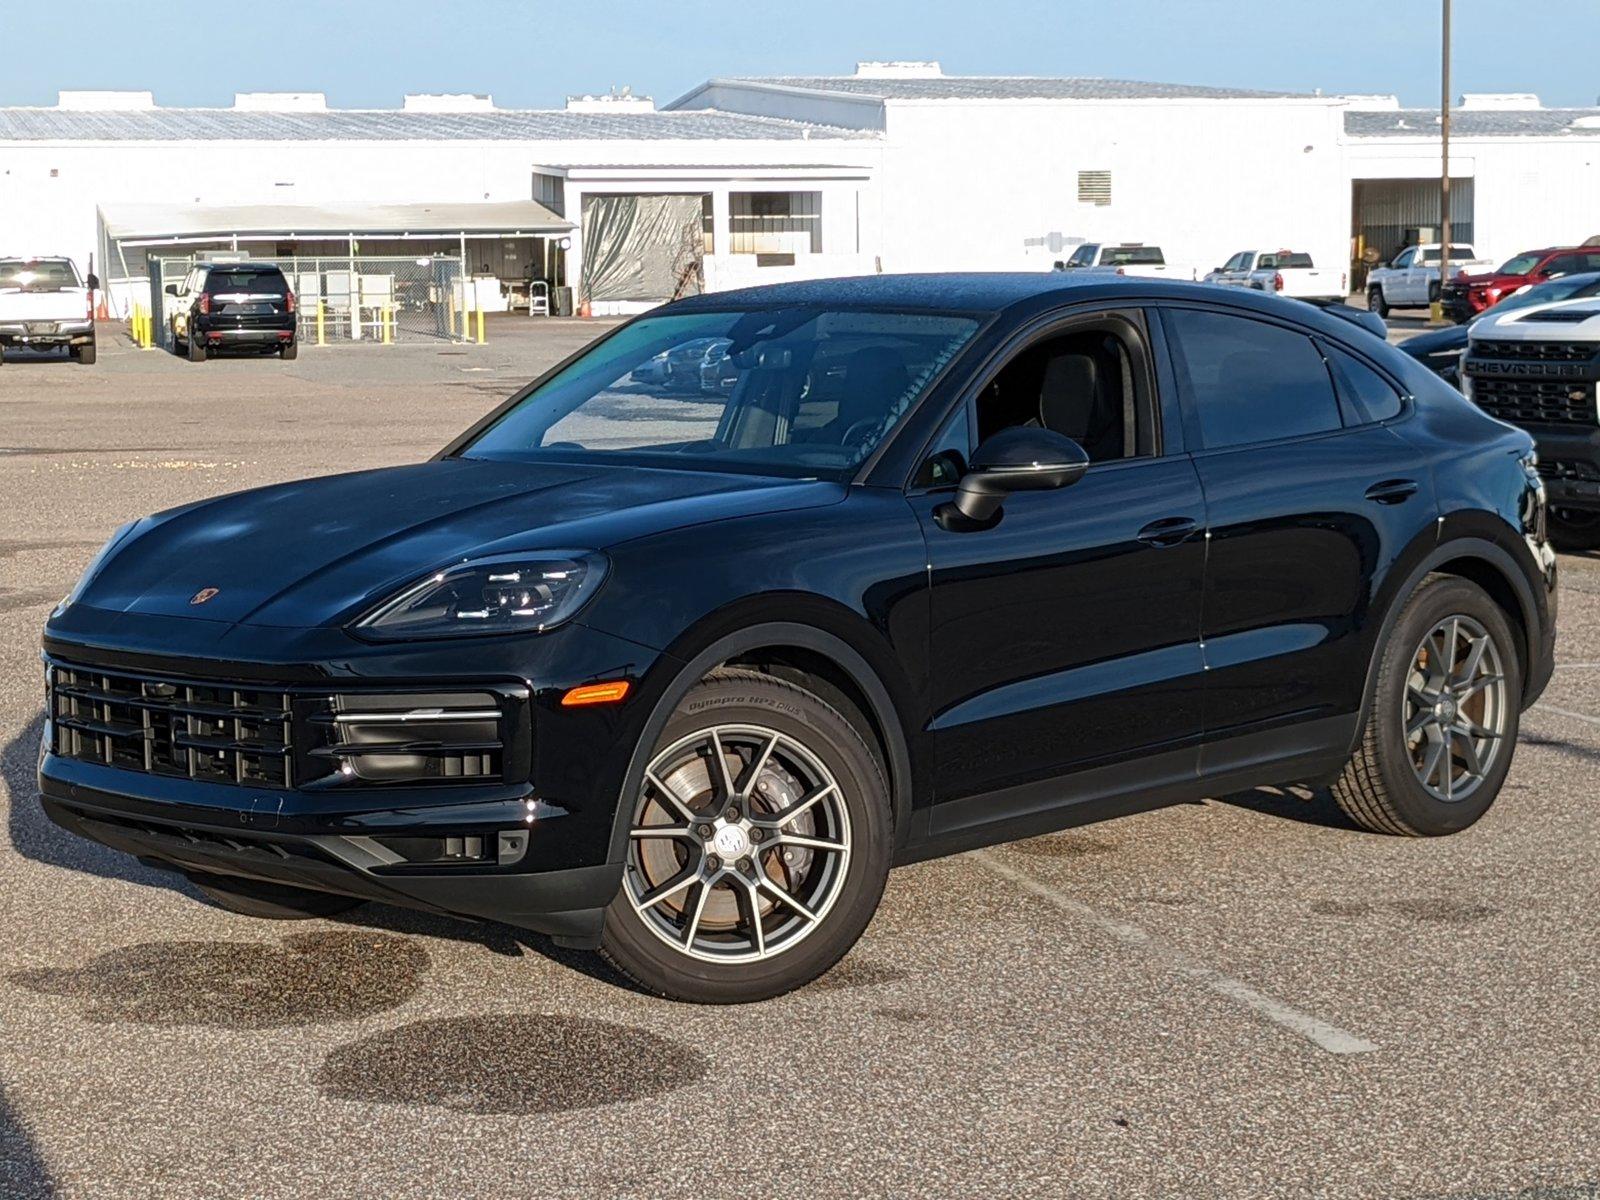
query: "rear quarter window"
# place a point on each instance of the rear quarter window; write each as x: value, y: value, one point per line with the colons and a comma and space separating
x: 1369, y: 395
x: 1248, y: 380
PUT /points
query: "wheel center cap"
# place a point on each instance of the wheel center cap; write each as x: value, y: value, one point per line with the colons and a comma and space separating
x: 1445, y: 710
x: 731, y: 841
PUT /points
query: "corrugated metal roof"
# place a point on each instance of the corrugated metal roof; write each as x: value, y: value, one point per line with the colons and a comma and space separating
x: 1010, y: 87
x: 1424, y: 122
x: 133, y: 221
x: 531, y: 125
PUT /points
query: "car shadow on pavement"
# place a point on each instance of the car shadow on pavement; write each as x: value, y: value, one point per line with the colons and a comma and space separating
x: 23, y: 1174
x: 1309, y: 806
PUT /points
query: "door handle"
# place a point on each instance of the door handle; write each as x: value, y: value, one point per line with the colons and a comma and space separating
x: 1168, y: 531
x: 1392, y: 491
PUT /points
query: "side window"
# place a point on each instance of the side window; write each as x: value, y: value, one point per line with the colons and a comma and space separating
x: 1362, y: 389
x: 1404, y: 258
x: 1250, y: 381
x: 1090, y: 384
x: 947, y: 457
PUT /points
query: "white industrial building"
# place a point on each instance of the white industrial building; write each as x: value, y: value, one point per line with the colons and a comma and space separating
x: 897, y: 167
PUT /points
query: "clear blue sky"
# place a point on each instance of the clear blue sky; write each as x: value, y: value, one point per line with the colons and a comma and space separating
x: 530, y: 53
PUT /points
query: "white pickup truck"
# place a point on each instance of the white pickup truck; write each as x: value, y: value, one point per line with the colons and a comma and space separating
x: 45, y: 304
x: 1124, y: 258
x: 1284, y: 272
x: 1411, y: 280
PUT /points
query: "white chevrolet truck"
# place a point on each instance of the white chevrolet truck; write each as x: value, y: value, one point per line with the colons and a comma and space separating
x: 1283, y: 272
x: 46, y: 304
x: 1411, y: 280
x: 1123, y: 258
x: 1538, y: 368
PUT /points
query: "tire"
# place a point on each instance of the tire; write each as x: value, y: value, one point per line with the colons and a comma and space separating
x: 1576, y: 531
x: 83, y: 355
x: 290, y: 350
x: 194, y: 349
x: 804, y: 748
x: 1376, y: 303
x: 270, y: 901
x: 1382, y: 786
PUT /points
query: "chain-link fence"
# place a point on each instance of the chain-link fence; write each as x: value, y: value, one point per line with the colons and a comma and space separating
x: 356, y: 298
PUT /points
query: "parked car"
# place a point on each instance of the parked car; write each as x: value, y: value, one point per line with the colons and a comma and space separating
x: 957, y: 560
x: 1466, y: 295
x: 718, y: 371
x: 1536, y: 367
x: 46, y: 305
x: 1440, y: 350
x: 1284, y: 272
x: 1362, y: 318
x: 1411, y: 280
x: 233, y: 305
x: 1125, y: 258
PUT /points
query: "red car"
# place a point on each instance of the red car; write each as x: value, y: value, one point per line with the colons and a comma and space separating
x: 1465, y: 296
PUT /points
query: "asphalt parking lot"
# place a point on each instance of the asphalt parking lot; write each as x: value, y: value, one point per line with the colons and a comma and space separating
x: 1241, y: 998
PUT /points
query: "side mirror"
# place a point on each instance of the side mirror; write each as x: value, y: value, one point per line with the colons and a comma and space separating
x: 93, y: 282
x: 1021, y: 459
x: 172, y: 289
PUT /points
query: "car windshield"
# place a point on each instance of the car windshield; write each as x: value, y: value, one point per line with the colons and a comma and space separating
x: 37, y: 275
x: 260, y: 282
x: 802, y: 392
x: 1568, y: 287
x: 1521, y: 264
x: 1132, y: 256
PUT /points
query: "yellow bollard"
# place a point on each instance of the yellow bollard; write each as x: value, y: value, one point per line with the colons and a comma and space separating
x: 322, y: 324
x: 481, y: 338
x: 388, y: 335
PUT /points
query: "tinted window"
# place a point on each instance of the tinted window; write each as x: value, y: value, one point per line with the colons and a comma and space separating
x: 1369, y: 392
x: 247, y: 281
x: 1250, y: 381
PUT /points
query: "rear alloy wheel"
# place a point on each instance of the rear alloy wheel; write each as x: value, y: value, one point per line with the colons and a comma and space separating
x: 758, y: 845
x: 270, y: 901
x: 1574, y: 530
x: 1442, y: 724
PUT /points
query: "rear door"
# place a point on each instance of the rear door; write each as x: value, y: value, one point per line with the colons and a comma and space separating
x: 1066, y: 635
x: 256, y: 298
x: 1310, y: 496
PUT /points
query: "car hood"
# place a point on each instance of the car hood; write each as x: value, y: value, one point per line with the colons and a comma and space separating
x: 319, y: 551
x: 1560, y: 321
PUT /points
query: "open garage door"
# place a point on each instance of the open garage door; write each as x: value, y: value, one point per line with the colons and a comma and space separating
x: 1389, y: 214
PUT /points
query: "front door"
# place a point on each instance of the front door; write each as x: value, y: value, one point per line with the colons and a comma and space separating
x: 1066, y: 635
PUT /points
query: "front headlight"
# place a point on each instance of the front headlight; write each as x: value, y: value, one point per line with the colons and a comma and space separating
x: 94, y: 566
x: 515, y: 593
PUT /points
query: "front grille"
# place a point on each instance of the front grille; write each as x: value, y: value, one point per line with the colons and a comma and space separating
x: 1536, y: 401
x: 203, y: 731
x: 1570, y: 468
x: 282, y: 737
x: 1538, y: 351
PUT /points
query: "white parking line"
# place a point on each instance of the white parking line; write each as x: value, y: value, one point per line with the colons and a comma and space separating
x: 1564, y: 712
x: 1329, y: 1037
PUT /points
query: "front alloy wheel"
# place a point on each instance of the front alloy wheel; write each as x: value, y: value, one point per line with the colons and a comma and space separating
x: 758, y: 844
x: 1456, y: 704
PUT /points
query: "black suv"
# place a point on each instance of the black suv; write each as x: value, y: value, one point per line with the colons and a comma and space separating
x: 233, y: 305
x: 681, y: 676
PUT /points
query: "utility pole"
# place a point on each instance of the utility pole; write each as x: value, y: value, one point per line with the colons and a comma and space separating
x: 1437, y: 314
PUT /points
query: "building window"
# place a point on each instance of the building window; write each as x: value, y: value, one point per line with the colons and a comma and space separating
x: 550, y: 191
x: 775, y: 222
x: 1094, y: 187
x: 708, y: 225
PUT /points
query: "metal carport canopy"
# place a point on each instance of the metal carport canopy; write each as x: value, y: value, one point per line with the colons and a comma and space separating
x: 135, y: 223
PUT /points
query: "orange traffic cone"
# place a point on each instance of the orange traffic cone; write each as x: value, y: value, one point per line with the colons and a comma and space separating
x: 585, y: 309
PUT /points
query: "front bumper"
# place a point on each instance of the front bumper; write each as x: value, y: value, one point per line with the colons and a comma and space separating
x: 1569, y: 464
x: 545, y: 825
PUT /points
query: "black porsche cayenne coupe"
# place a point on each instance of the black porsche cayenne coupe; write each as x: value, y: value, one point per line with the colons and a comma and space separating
x: 680, y: 676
